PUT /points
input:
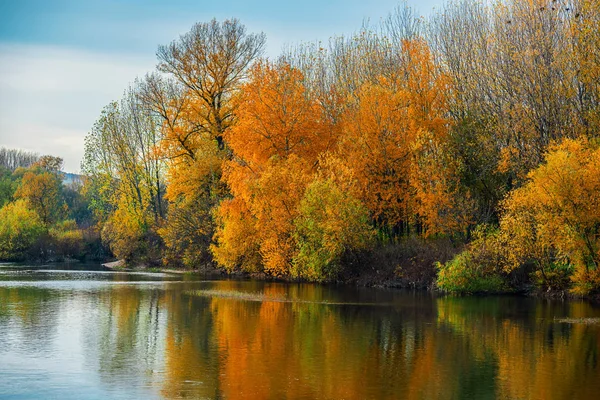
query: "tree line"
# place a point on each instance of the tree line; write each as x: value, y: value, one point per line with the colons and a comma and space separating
x: 477, y: 125
x: 42, y: 217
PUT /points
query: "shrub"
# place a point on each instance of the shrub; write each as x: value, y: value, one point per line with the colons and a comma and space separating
x: 463, y: 275
x: 129, y: 237
x: 67, y: 240
x: 555, y: 276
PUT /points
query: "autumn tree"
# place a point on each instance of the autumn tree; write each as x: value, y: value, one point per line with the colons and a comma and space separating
x: 125, y: 173
x: 202, y: 71
x: 554, y: 219
x: 280, y: 132
x: 585, y: 31
x: 20, y: 228
x: 395, y: 138
x: 210, y: 61
x: 41, y: 186
x: 330, y: 224
x: 520, y: 80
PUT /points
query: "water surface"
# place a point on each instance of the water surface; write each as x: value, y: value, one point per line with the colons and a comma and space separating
x: 81, y: 332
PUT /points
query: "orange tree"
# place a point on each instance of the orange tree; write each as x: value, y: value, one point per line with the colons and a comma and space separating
x: 279, y: 134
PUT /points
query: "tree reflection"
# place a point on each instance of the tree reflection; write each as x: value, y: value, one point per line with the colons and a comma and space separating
x: 310, y: 341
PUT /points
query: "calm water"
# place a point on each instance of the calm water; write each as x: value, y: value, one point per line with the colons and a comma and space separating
x: 75, y: 334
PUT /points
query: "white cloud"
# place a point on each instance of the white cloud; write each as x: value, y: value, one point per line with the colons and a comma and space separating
x: 50, y: 96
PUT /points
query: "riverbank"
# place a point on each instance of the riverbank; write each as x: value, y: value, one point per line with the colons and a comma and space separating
x: 383, y: 276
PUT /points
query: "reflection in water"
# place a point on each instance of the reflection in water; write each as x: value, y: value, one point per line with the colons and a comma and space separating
x: 165, y: 340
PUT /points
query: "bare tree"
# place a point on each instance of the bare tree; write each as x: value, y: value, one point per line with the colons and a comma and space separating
x: 210, y: 61
x: 12, y: 159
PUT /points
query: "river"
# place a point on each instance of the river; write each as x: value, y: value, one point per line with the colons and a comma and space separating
x: 83, y: 332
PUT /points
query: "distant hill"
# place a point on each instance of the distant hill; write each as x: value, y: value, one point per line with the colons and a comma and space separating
x: 70, y: 178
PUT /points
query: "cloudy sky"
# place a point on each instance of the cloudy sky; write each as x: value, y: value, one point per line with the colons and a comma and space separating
x: 61, y: 61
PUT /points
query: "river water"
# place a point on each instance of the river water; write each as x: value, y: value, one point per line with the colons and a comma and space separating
x: 88, y: 333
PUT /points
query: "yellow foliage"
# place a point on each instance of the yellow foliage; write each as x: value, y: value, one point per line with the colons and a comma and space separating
x: 20, y: 227
x: 42, y: 191
x: 124, y: 230
x: 555, y: 216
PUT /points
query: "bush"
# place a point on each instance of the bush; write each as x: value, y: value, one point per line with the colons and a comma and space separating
x: 463, y: 275
x: 187, y: 234
x: 129, y: 237
x: 556, y: 276
x: 67, y: 240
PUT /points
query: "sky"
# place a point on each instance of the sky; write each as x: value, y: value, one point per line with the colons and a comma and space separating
x: 62, y: 61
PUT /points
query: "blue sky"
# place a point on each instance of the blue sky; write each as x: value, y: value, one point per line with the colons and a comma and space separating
x: 61, y: 61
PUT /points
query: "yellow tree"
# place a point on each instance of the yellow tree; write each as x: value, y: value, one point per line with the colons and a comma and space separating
x: 42, y: 190
x: 585, y: 29
x: 524, y: 73
x: 554, y: 219
x: 126, y: 177
x: 20, y: 228
x: 204, y: 69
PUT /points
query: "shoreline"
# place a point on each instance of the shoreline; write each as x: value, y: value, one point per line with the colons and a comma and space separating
x: 365, y: 280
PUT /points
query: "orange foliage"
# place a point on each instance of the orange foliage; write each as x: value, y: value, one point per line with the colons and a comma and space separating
x: 277, y: 117
x: 280, y: 133
x: 394, y: 140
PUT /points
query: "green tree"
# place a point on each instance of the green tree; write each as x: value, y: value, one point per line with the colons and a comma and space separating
x: 330, y: 224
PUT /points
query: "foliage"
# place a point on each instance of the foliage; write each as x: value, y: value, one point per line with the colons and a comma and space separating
x: 555, y: 217
x: 329, y: 224
x: 125, y: 182
x: 42, y: 190
x: 129, y: 237
x: 276, y: 143
x: 187, y: 232
x: 8, y: 186
x: 463, y: 274
x: 392, y: 134
x: 20, y: 228
x: 67, y: 240
x: 395, y: 141
x: 478, y: 268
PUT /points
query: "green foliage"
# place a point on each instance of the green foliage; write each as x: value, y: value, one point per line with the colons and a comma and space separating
x: 555, y: 276
x: 463, y: 275
x: 67, y: 240
x: 20, y: 228
x: 8, y: 185
x: 78, y: 204
x: 187, y: 234
x: 330, y: 224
